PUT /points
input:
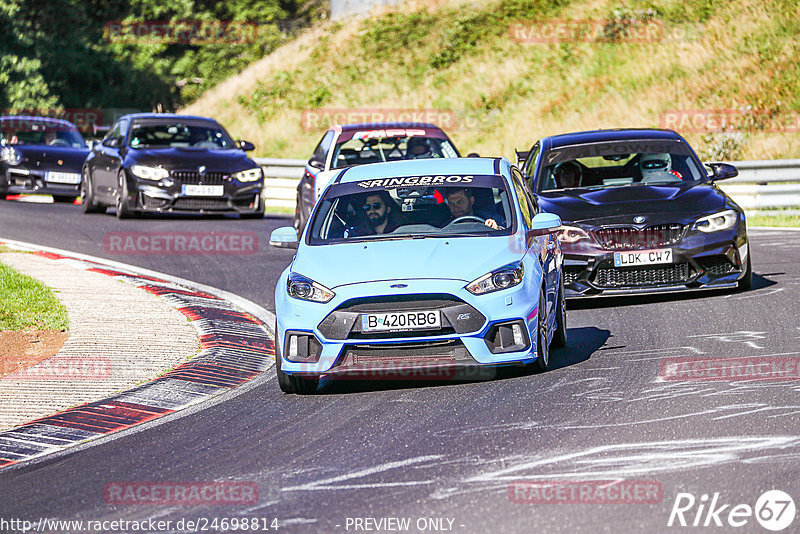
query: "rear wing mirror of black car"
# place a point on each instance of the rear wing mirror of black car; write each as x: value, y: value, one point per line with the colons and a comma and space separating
x: 247, y: 146
x: 521, y: 156
x: 112, y: 142
x: 722, y: 171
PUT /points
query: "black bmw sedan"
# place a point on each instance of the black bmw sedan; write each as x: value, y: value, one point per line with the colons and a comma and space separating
x: 640, y: 212
x: 40, y: 155
x: 165, y: 163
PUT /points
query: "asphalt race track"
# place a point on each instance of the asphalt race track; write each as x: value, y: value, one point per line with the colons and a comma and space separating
x: 611, y: 410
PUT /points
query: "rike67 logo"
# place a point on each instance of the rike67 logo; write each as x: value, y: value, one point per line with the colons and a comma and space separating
x: 774, y: 510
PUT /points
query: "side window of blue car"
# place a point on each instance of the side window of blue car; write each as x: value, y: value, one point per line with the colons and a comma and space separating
x: 530, y: 162
x: 324, y: 145
x: 522, y: 196
x: 527, y: 203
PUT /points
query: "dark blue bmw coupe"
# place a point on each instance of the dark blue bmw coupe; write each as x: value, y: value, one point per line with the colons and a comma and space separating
x: 640, y: 212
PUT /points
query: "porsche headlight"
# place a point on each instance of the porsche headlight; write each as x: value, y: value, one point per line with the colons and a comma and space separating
x: 250, y: 175
x: 149, y: 173
x: 10, y: 155
x: 300, y: 287
x: 571, y: 234
x: 502, y: 278
x: 723, y: 220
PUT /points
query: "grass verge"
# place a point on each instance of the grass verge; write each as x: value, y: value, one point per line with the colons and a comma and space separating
x: 777, y: 219
x: 26, y: 303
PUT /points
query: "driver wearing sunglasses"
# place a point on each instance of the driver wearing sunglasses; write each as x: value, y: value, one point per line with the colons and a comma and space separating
x: 378, y: 209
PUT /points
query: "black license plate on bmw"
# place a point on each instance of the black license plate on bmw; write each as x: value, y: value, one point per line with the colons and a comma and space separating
x: 401, y: 321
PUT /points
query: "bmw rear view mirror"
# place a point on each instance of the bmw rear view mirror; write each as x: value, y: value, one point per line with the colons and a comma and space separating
x: 723, y: 171
x: 247, y: 146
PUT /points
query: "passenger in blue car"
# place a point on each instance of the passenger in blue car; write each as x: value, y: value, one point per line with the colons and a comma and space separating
x: 379, y: 209
x: 461, y: 202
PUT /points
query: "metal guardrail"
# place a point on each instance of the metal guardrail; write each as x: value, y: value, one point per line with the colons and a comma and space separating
x: 281, y: 179
x: 765, y: 184
x: 761, y: 184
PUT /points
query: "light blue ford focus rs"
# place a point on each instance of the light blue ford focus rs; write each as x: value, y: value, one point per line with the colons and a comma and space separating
x: 423, y: 264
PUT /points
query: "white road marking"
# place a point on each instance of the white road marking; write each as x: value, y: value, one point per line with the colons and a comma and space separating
x: 637, y: 459
x: 331, y: 483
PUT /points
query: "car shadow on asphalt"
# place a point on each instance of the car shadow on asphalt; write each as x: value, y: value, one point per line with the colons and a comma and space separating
x: 759, y: 282
x: 581, y: 344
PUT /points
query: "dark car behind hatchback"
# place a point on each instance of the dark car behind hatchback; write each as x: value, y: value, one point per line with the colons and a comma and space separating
x: 165, y: 163
x: 40, y: 155
x: 640, y: 213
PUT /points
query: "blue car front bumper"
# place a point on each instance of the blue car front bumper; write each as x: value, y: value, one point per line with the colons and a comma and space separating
x: 475, y: 330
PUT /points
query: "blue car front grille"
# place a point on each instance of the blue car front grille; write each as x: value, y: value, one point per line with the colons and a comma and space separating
x: 451, y: 351
x: 458, y: 317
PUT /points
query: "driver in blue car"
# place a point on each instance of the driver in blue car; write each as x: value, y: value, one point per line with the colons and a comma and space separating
x: 380, y: 214
x: 462, y: 203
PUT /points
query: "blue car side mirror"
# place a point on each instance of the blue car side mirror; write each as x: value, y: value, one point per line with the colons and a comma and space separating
x: 545, y: 223
x: 284, y: 237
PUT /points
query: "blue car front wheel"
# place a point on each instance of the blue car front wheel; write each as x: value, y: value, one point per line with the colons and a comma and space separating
x: 542, y: 362
x: 560, y: 335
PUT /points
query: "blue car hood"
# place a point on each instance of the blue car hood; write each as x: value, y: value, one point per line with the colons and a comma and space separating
x: 607, y: 205
x: 458, y: 258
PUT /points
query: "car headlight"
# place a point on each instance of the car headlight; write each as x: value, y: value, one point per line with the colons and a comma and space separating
x: 10, y: 155
x: 300, y: 287
x: 250, y: 175
x: 571, y: 234
x: 719, y: 221
x: 502, y: 278
x: 149, y: 173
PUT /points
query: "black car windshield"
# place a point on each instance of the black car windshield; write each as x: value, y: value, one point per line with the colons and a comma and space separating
x: 34, y: 131
x: 413, y: 207
x: 622, y: 164
x: 179, y: 134
x: 368, y: 149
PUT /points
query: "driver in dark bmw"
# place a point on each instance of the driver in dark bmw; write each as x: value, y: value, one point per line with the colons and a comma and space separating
x: 640, y: 213
x: 153, y: 162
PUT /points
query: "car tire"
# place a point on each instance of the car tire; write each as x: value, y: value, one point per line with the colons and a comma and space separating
x: 88, y: 203
x: 746, y: 282
x: 542, y: 362
x: 560, y: 335
x: 289, y: 383
x: 63, y: 199
x: 121, y: 197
